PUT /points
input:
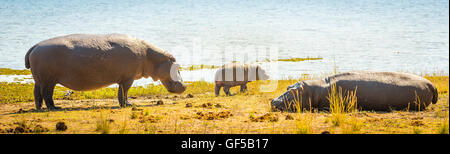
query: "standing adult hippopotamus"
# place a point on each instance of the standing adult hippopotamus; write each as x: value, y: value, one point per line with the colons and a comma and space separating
x: 237, y: 74
x: 381, y: 91
x: 88, y: 62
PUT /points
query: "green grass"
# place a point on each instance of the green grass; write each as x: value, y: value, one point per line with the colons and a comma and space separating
x: 8, y: 71
x: 23, y: 92
x: 198, y: 67
x: 443, y: 126
x: 301, y: 59
x: 18, y: 92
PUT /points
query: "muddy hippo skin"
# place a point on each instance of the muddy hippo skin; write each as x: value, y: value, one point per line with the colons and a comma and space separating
x: 378, y: 91
x: 87, y: 62
x: 237, y: 74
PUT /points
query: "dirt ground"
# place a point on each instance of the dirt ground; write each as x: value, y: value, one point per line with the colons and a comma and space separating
x: 205, y: 113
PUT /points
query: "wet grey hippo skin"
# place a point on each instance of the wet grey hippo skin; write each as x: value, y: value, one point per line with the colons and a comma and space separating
x: 88, y: 62
x: 379, y: 91
x: 237, y: 74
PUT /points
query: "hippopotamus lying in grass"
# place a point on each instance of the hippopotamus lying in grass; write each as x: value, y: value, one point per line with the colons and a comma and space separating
x: 237, y: 74
x: 88, y: 62
x: 379, y: 91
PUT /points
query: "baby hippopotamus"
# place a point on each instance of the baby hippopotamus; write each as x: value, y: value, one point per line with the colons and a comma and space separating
x: 378, y: 91
x: 237, y: 74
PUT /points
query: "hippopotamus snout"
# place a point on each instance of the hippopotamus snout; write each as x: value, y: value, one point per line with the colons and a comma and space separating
x: 290, y: 99
x: 263, y: 75
x: 277, y: 103
x: 180, y: 87
x: 177, y: 87
x: 283, y: 101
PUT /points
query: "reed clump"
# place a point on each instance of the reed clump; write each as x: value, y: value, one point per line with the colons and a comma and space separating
x: 341, y: 103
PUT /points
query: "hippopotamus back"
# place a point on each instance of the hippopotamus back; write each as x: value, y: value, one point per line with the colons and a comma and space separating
x: 391, y: 90
x: 374, y: 90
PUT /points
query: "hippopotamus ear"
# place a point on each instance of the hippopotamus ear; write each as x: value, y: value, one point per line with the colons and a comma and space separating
x: 296, y: 85
x: 174, y: 72
x: 289, y: 87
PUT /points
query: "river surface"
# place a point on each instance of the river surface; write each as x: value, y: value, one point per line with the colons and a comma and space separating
x: 382, y: 35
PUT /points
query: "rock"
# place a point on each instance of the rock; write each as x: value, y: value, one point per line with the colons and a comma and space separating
x: 160, y: 102
x: 417, y: 123
x: 61, y: 126
x: 19, y: 130
x: 289, y: 117
x: 110, y: 120
x: 206, y: 105
x: 266, y: 117
x: 9, y: 130
x: 190, y: 96
x: 21, y: 111
x: 136, y: 109
x: 40, y: 129
x: 213, y: 115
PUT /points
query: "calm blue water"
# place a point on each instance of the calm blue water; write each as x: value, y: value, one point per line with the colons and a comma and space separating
x: 385, y: 35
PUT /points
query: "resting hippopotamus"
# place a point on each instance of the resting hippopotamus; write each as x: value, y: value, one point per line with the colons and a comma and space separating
x: 87, y: 62
x: 379, y: 91
x: 237, y: 74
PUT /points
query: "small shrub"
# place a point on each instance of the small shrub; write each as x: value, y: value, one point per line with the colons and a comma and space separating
x: 103, y: 125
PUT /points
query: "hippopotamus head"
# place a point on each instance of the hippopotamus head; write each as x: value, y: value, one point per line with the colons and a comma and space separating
x: 169, y: 74
x: 295, y: 97
x: 161, y: 65
x: 262, y: 74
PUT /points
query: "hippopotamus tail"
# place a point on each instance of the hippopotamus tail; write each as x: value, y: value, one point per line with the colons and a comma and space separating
x: 435, y: 95
x: 27, y: 60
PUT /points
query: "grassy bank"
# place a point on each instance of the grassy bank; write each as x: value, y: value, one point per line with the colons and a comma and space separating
x: 198, y: 67
x: 8, y: 71
x: 300, y: 59
x: 17, y: 92
x: 198, y: 110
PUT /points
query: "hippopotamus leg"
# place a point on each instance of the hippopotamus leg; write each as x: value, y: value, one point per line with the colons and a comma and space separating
x: 217, y: 89
x: 47, y: 94
x: 123, y: 92
x: 243, y: 88
x: 226, y: 89
x: 37, y: 96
